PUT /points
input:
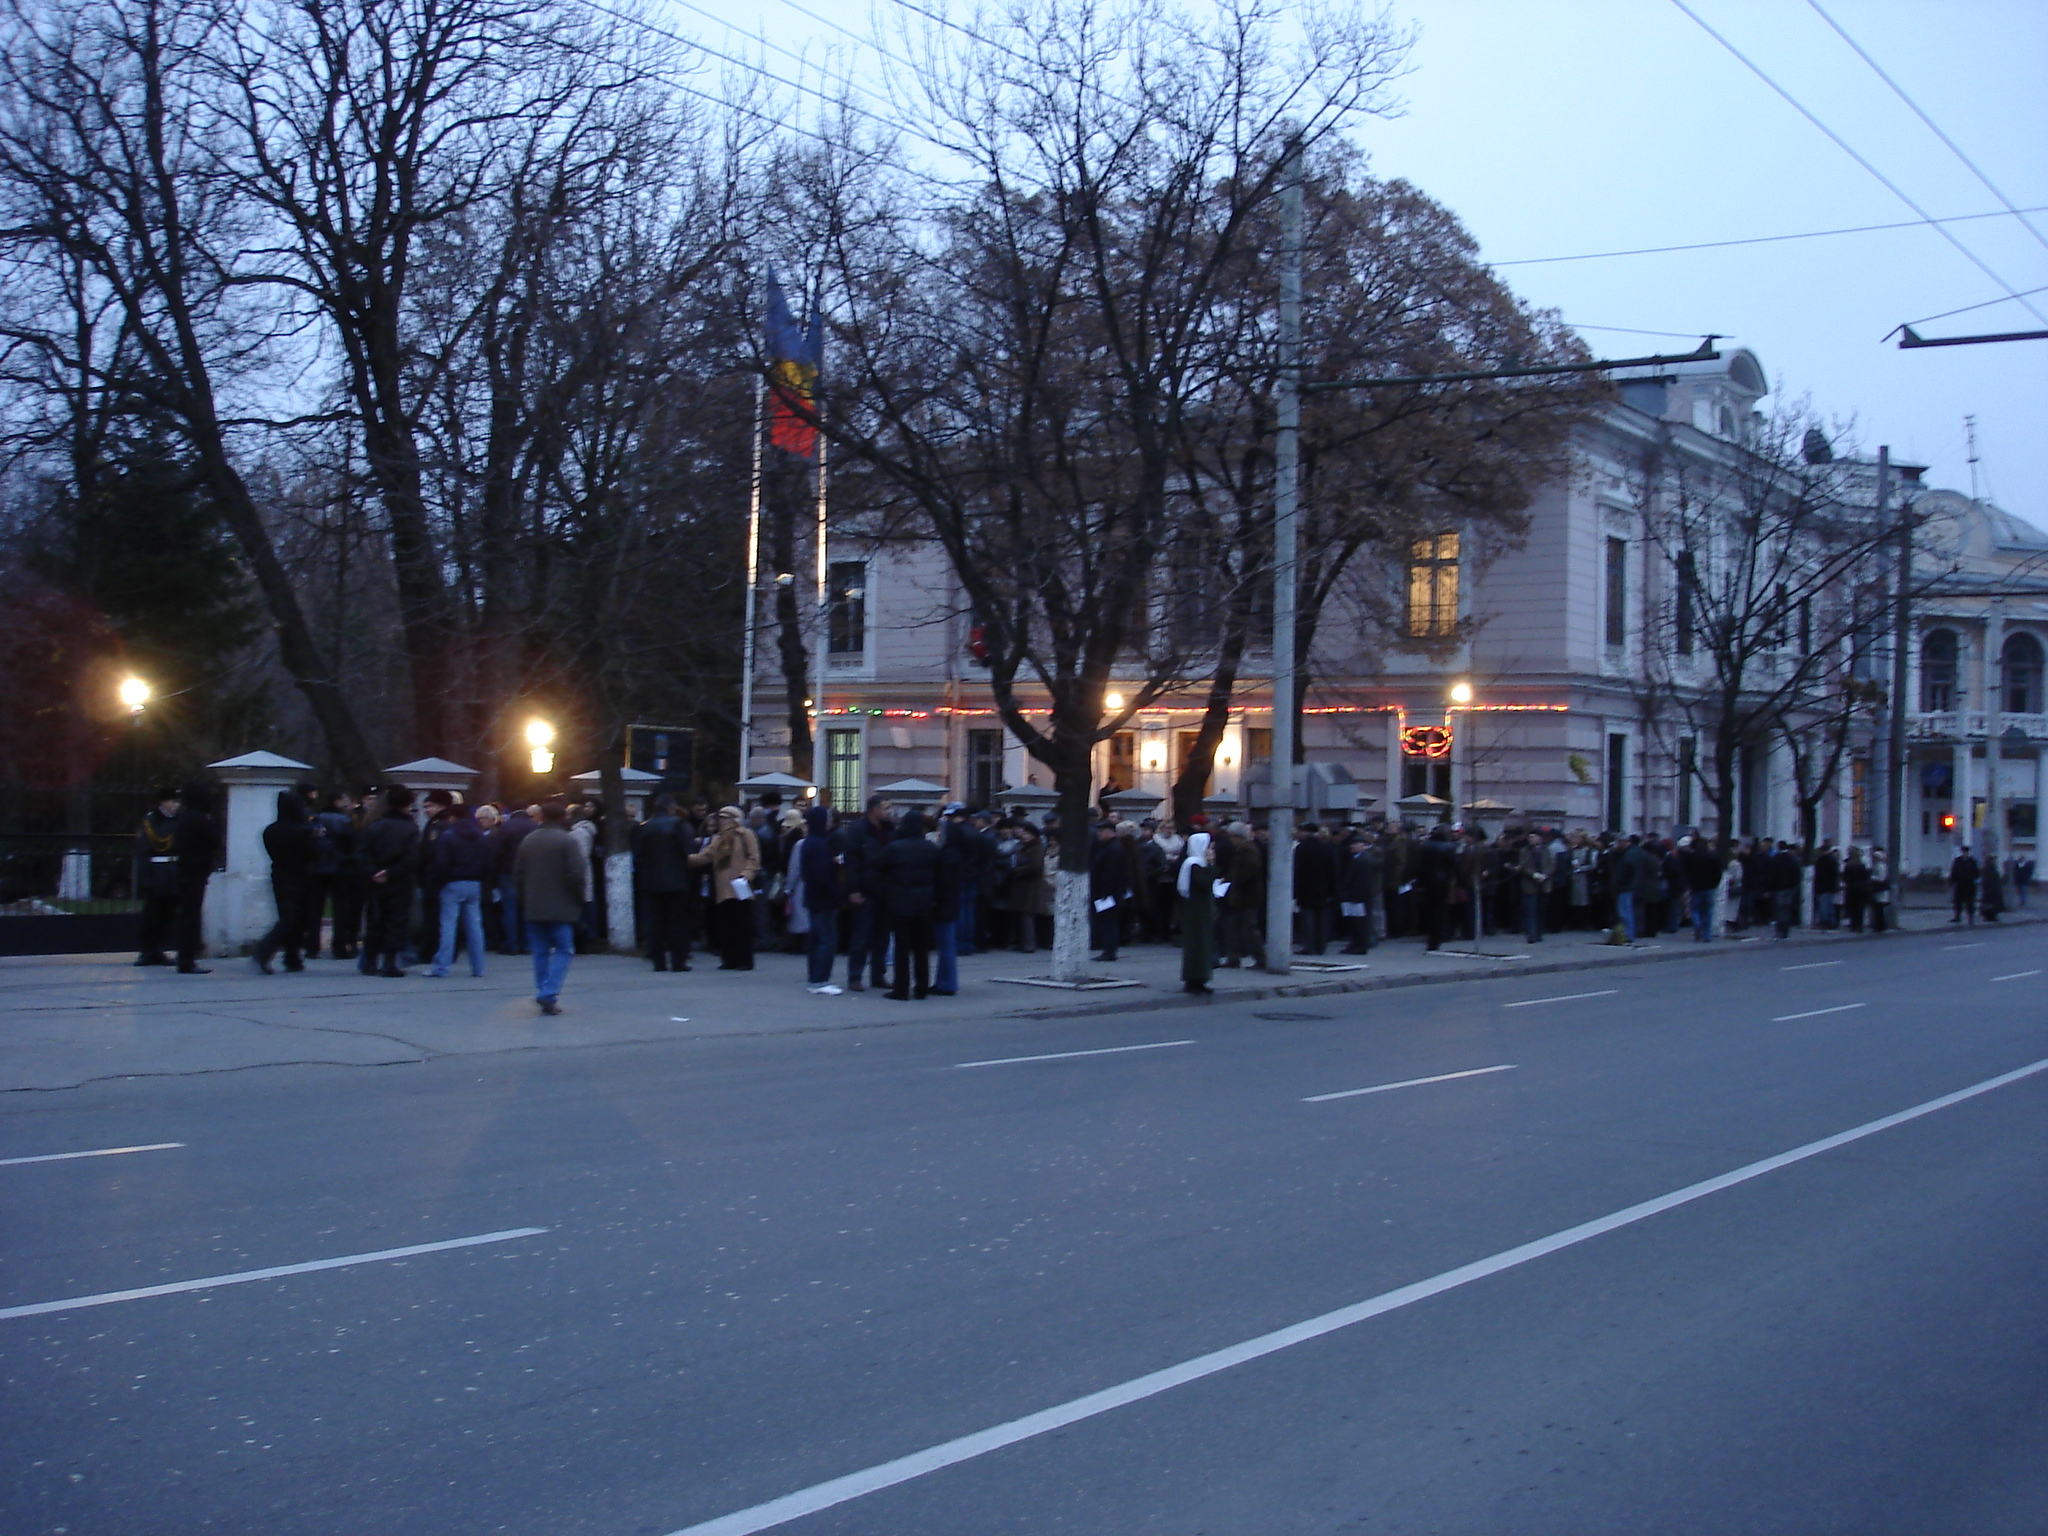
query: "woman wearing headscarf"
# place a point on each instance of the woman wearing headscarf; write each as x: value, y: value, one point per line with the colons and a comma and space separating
x: 734, y: 858
x: 1196, y: 887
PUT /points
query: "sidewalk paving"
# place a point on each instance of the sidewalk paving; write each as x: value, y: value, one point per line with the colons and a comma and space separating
x: 73, y: 1019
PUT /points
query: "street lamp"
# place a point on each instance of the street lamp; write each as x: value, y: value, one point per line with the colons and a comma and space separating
x: 135, y: 694
x: 1461, y: 693
x: 1112, y: 702
x: 538, y: 735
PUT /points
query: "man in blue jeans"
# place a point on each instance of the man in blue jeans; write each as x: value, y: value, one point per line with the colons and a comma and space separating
x: 549, y: 874
x: 462, y: 861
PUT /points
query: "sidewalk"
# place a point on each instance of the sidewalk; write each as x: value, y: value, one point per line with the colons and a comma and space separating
x: 73, y: 1019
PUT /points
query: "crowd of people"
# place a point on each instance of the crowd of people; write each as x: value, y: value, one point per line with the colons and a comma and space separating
x: 902, y: 896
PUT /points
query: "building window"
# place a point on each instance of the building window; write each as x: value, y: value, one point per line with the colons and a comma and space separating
x: 1685, y: 613
x: 2021, y: 663
x: 1258, y: 744
x: 1184, y: 749
x: 846, y: 607
x: 1122, y: 767
x: 1433, y: 587
x: 984, y: 767
x: 1688, y: 769
x: 843, y: 771
x: 1617, y: 592
x: 1938, y: 668
x: 1617, y: 777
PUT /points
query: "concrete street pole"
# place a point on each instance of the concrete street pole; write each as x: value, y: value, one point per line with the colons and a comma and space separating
x: 1902, y: 641
x: 1286, y: 494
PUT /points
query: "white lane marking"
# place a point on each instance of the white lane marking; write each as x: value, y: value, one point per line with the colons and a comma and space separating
x: 2016, y: 975
x: 58, y: 1157
x: 853, y: 1485
x: 1569, y: 997
x: 1978, y: 945
x: 1814, y: 1013
x: 105, y: 1298
x: 1107, y: 1050
x: 1813, y: 965
x: 1413, y: 1082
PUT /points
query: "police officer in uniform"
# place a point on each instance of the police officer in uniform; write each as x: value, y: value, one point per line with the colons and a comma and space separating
x: 156, y: 877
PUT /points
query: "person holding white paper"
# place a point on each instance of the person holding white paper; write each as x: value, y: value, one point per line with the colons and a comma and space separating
x: 1109, y: 878
x: 734, y: 858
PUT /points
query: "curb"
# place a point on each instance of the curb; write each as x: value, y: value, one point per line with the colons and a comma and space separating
x: 1304, y: 989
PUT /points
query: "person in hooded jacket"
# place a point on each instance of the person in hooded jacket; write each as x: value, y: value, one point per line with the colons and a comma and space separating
x: 906, y: 870
x: 462, y: 861
x: 292, y: 847
x: 819, y: 887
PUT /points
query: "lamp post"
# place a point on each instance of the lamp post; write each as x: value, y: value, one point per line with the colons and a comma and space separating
x: 135, y: 695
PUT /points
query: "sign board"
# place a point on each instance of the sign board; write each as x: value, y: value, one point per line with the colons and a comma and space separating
x: 662, y: 750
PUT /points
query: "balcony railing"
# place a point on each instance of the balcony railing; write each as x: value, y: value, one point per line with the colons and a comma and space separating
x: 1973, y: 725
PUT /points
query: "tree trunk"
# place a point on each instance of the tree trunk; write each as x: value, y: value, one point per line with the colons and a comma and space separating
x: 1074, y: 778
x: 1189, y: 789
x: 618, y: 845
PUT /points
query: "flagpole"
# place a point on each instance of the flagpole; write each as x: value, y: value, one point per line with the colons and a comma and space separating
x: 753, y: 587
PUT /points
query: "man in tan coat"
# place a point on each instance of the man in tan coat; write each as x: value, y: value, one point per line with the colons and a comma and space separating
x: 734, y: 859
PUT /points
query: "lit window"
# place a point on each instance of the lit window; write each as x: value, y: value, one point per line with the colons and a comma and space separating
x: 846, y: 598
x: 843, y: 770
x: 1433, y: 587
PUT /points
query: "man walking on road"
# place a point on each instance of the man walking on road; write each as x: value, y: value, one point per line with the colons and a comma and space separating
x: 548, y: 872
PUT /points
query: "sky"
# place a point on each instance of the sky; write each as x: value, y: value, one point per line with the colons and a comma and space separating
x: 1559, y: 128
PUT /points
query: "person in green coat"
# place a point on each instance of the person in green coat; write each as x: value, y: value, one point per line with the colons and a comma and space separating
x: 1196, y: 884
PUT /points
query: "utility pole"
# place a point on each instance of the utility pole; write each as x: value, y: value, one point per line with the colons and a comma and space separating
x: 1902, y: 639
x: 1286, y: 500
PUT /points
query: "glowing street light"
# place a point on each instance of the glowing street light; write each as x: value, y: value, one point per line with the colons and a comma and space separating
x: 135, y: 694
x: 539, y: 734
x: 1113, y: 702
x: 1461, y: 693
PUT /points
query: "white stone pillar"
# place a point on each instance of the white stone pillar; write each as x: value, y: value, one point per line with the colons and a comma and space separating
x: 239, y: 906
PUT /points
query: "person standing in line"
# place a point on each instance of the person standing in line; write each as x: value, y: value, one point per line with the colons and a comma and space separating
x: 582, y: 825
x: 156, y: 878
x: 1109, y: 877
x: 906, y: 876
x: 517, y: 825
x: 860, y: 844
x: 1245, y: 901
x: 734, y: 860
x: 1315, y: 887
x: 662, y: 847
x: 1702, y: 870
x: 293, y: 848
x: 1436, y: 871
x: 197, y: 847
x: 817, y: 866
x: 549, y: 872
x: 320, y: 875
x: 1358, y: 882
x: 1855, y: 888
x: 389, y: 845
x: 343, y: 829
x: 2022, y: 867
x: 1785, y: 876
x: 426, y: 930
x: 949, y: 877
x: 1880, y: 889
x: 1195, y: 886
x: 1533, y: 865
x: 462, y: 860
x: 1962, y: 885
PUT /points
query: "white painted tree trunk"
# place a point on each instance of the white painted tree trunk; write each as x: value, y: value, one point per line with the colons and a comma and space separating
x: 618, y: 901
x: 1070, y: 925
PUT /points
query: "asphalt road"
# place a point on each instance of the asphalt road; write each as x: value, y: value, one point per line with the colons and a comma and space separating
x: 785, y: 1263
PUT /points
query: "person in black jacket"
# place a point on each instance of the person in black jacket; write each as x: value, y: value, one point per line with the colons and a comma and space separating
x: 156, y: 878
x: 817, y: 864
x: 1109, y: 879
x: 293, y: 848
x: 1315, y: 887
x: 389, y: 844
x: 337, y: 878
x: 950, y: 878
x: 462, y: 862
x: 196, y: 845
x: 1436, y: 873
x: 662, y: 846
x: 860, y: 847
x: 906, y: 873
x: 506, y: 846
x: 1358, y: 882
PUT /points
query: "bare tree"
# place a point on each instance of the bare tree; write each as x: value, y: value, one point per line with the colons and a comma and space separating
x: 1021, y: 357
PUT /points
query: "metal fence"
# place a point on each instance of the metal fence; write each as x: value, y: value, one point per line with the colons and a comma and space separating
x: 55, y: 874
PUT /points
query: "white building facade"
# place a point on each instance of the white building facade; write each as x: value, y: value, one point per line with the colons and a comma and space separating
x: 1551, y: 632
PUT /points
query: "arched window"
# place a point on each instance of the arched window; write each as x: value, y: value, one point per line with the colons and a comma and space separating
x: 1938, y: 671
x: 2021, y: 666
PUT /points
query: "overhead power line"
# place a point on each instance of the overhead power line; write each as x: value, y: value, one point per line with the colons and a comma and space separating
x: 1932, y: 126
x: 1987, y: 304
x: 1715, y: 245
x: 1846, y: 148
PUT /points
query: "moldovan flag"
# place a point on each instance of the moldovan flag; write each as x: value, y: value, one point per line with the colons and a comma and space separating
x: 793, y: 357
